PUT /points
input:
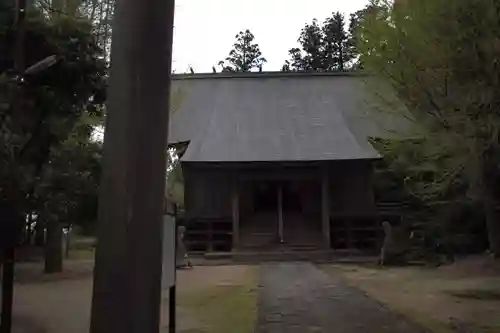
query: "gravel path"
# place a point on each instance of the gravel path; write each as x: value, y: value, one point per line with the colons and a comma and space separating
x: 300, y: 298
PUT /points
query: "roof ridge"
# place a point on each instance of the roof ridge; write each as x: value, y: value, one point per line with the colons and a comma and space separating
x: 269, y: 74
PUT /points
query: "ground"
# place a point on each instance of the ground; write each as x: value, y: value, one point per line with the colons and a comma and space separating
x: 211, y: 299
x: 463, y: 297
x: 284, y: 297
x: 216, y: 299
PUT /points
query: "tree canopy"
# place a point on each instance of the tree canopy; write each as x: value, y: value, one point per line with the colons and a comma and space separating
x: 440, y: 58
x: 323, y: 47
x: 245, y: 55
x: 42, y: 115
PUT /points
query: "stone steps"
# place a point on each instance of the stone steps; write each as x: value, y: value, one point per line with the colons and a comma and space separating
x: 287, y: 254
x: 258, y: 257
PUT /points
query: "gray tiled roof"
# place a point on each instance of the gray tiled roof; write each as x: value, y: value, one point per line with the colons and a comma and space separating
x: 272, y: 117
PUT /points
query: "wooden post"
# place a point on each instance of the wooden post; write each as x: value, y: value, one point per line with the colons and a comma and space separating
x: 280, y: 213
x: 128, y: 267
x: 325, y: 207
x: 348, y: 234
x: 210, y: 235
x: 8, y: 255
x: 235, y: 204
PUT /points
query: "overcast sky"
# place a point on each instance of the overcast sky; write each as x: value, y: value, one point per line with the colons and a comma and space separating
x: 205, y: 29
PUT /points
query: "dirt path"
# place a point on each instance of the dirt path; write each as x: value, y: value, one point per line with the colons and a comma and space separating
x: 299, y: 297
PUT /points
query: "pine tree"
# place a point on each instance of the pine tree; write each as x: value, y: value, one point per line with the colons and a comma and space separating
x: 311, y: 40
x: 324, y: 47
x: 335, y: 43
x: 244, y: 56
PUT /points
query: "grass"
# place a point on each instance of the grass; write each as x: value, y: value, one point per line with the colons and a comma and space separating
x: 82, y: 254
x: 223, y: 309
x: 477, y: 294
x: 81, y: 248
x: 442, y: 300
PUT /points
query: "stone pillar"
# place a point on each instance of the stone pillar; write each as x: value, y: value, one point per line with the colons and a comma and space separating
x: 325, y: 207
x: 280, y: 213
x: 235, y: 205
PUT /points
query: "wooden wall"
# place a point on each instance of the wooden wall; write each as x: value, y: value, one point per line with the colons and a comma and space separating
x: 351, y: 189
x: 209, y: 189
x: 353, y: 220
x: 207, y: 192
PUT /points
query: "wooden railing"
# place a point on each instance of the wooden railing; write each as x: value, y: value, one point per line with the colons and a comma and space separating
x: 208, y: 234
x: 389, y: 208
x: 355, y: 233
x: 349, y: 231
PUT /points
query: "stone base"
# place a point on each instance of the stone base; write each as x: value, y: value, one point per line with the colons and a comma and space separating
x: 282, y: 255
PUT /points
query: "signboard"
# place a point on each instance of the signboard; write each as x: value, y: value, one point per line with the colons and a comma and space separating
x: 168, y: 258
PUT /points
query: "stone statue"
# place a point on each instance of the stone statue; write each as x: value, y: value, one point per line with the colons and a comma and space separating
x: 396, y: 245
x: 181, y: 256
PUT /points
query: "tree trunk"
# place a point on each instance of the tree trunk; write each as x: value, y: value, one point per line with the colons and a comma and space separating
x: 492, y: 225
x: 53, y: 248
x: 67, y: 242
x: 39, y: 232
x: 490, y: 194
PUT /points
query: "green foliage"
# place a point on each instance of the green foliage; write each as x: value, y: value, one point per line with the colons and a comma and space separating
x: 40, y: 124
x: 335, y: 39
x: 422, y: 168
x: 244, y: 56
x: 311, y: 56
x: 100, y: 13
x: 441, y: 59
x: 418, y: 58
x: 324, y: 47
x: 68, y: 189
x: 355, y: 22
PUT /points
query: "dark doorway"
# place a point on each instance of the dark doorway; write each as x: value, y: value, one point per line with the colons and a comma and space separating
x: 265, y: 197
x: 291, y: 199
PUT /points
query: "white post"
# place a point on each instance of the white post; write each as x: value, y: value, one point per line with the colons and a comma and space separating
x: 168, y: 257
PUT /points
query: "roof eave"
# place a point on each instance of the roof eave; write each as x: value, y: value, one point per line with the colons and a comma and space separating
x: 270, y: 74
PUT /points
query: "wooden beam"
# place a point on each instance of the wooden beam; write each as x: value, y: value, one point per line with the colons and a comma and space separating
x: 325, y: 207
x: 235, y: 205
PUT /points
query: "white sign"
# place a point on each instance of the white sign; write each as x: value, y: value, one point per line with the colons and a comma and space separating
x: 168, y: 267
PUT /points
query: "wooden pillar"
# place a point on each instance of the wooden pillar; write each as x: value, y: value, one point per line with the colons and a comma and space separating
x: 348, y: 233
x: 325, y: 207
x: 280, y: 213
x: 128, y: 265
x: 210, y: 236
x: 235, y: 204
